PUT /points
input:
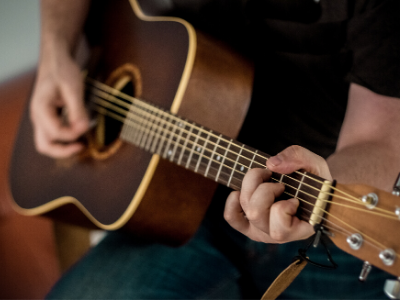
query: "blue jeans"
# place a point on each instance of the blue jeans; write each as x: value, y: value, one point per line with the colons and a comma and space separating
x: 217, y: 263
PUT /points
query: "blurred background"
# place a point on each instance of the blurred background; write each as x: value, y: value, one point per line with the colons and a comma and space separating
x: 34, y: 251
x: 19, y: 36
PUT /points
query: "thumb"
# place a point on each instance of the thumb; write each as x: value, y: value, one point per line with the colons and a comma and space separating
x: 72, y: 94
x: 296, y: 158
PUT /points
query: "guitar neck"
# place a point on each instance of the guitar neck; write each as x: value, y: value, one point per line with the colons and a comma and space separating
x: 195, y: 147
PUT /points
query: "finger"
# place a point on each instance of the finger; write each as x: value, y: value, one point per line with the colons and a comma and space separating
x: 236, y: 218
x: 72, y: 94
x: 295, y: 158
x: 53, y: 149
x: 258, y: 209
x: 233, y: 213
x: 284, y: 225
x: 251, y: 181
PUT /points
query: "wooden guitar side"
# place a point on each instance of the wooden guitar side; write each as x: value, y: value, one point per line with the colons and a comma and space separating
x: 181, y: 69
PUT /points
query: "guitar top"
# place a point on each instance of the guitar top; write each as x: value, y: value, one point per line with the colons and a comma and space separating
x: 151, y: 83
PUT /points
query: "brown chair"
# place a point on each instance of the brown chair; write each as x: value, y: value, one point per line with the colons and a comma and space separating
x: 29, y: 265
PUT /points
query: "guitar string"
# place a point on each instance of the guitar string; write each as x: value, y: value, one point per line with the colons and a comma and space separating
x: 307, y: 202
x: 347, y: 206
x: 212, y: 143
x: 357, y: 202
x: 115, y: 92
x: 341, y: 230
x: 351, y: 227
x: 210, y: 159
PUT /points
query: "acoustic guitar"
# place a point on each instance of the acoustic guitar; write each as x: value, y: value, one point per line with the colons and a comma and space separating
x: 150, y: 168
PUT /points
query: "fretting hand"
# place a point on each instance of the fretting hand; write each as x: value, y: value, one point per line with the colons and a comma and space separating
x: 253, y: 212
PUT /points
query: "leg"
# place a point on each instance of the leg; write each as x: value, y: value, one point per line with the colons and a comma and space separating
x: 123, y: 267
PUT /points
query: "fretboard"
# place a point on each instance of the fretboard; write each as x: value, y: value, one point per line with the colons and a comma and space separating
x: 197, y: 148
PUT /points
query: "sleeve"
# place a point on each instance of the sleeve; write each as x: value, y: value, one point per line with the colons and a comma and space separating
x: 373, y: 37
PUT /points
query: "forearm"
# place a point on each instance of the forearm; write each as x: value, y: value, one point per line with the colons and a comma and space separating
x: 368, y: 149
x: 61, y: 24
x: 369, y: 163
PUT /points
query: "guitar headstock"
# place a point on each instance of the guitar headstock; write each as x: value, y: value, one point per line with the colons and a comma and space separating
x: 364, y: 222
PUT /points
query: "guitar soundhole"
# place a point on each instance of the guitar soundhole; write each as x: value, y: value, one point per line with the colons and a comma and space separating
x: 104, y: 139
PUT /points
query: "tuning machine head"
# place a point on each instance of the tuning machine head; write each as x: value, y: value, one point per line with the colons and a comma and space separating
x: 396, y: 186
x: 392, y: 288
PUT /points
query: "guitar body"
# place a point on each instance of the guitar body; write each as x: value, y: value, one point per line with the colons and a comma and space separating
x: 171, y: 65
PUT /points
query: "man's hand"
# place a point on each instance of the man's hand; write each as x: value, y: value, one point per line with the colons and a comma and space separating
x: 57, y: 109
x: 253, y: 212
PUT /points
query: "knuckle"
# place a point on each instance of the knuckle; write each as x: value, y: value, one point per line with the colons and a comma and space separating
x: 279, y: 236
x: 295, y: 151
x: 253, y: 214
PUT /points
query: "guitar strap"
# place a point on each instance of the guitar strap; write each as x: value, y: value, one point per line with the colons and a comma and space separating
x: 284, y: 279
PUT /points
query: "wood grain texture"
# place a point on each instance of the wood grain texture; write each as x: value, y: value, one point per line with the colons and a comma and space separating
x: 176, y: 200
x: 372, y: 227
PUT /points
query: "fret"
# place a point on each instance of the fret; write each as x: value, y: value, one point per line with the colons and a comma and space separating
x: 152, y: 129
x: 131, y: 134
x: 234, y: 166
x: 148, y: 125
x: 160, y: 133
x: 141, y: 128
x: 299, y: 187
x: 212, y: 156
x: 223, y: 160
x: 188, y: 135
x: 252, y: 160
x: 146, y: 132
x: 171, y: 127
x: 193, y: 147
x: 178, y: 139
x: 280, y: 179
x: 202, y: 152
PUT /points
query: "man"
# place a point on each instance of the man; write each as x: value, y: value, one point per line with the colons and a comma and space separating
x: 317, y: 62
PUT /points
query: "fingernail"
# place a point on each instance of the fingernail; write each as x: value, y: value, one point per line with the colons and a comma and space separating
x: 275, y: 160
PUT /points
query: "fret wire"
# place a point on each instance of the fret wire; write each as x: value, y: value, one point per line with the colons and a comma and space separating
x: 184, y: 145
x: 298, y: 188
x: 149, y: 124
x: 280, y: 180
x: 161, y: 139
x: 178, y: 141
x: 152, y: 129
x: 234, y: 166
x: 202, y: 152
x: 252, y: 160
x: 145, y: 125
x: 157, y: 135
x: 223, y: 160
x: 191, y: 151
x: 141, y: 129
x: 172, y: 133
x: 212, y: 156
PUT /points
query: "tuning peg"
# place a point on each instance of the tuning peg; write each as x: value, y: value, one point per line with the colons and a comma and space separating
x: 366, y: 269
x: 392, y: 288
x: 396, y: 186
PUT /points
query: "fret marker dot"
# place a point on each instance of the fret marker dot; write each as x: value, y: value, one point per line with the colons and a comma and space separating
x: 169, y: 152
x: 218, y: 157
x: 241, y: 168
x: 198, y: 149
x: 180, y: 124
